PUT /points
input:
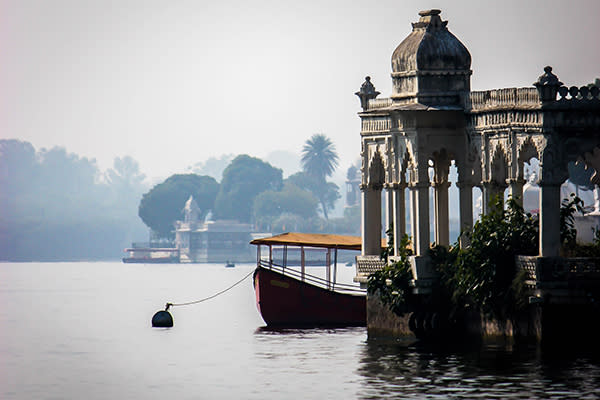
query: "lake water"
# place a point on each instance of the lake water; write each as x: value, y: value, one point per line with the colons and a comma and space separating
x: 82, y: 331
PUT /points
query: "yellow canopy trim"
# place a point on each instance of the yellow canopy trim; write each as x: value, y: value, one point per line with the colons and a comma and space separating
x: 314, y: 240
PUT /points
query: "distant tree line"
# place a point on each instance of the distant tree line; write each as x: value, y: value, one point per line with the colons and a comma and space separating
x: 55, y: 205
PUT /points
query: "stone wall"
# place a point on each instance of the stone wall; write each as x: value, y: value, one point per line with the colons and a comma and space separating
x: 383, y: 322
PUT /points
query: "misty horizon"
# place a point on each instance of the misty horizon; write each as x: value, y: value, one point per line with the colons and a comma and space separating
x: 160, y: 81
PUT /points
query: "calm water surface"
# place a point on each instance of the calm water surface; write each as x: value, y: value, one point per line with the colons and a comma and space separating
x: 82, y: 331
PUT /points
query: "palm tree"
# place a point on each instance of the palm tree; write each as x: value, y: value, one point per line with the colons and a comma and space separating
x: 319, y: 158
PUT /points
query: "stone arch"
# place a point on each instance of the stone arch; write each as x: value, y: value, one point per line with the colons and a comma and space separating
x: 586, y: 151
x: 498, y: 172
x: 405, y: 162
x: 526, y: 151
x: 592, y: 160
x: 469, y: 167
x: 376, y: 173
x: 442, y: 160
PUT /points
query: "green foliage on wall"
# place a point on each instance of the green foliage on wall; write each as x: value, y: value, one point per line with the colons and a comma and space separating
x: 392, y: 283
x: 482, y: 273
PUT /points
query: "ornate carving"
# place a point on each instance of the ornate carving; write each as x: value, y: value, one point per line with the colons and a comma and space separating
x: 527, y: 149
x: 376, y: 175
x: 391, y: 160
x: 553, y: 166
x: 547, y: 85
x: 498, y: 170
x: 367, y: 91
x: 441, y: 166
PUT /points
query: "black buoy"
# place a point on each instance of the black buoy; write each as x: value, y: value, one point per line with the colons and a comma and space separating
x: 163, y: 319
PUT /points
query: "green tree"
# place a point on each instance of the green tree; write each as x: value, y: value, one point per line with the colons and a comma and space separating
x: 125, y: 175
x: 319, y: 158
x: 18, y: 171
x: 163, y: 204
x: 326, y: 192
x: 244, y: 179
x: 270, y: 205
x: 53, y: 206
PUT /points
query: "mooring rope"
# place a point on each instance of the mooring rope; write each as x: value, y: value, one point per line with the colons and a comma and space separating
x: 209, y: 297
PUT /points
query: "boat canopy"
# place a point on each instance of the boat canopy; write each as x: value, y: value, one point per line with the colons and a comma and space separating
x: 321, y: 240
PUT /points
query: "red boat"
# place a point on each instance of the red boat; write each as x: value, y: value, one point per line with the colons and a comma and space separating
x: 286, y: 295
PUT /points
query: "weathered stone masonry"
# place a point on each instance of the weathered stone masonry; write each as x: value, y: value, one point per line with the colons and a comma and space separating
x: 432, y: 118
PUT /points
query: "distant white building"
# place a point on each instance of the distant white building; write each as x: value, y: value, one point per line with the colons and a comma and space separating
x: 212, y: 241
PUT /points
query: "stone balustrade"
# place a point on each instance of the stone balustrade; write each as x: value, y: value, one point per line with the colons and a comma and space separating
x: 554, y: 275
x: 375, y: 104
x: 574, y: 93
x: 376, y: 124
x: 520, y: 98
x: 365, y: 266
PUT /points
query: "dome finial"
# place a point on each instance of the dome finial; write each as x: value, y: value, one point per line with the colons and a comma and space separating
x: 547, y: 85
x: 430, y: 20
x: 425, y: 13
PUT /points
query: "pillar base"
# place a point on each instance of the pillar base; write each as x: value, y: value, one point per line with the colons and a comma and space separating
x: 423, y: 274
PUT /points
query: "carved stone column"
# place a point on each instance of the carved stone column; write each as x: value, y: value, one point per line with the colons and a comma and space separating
x: 491, y: 190
x: 370, y: 220
x: 420, y: 191
x: 553, y: 172
x: 442, y: 226
x: 399, y: 214
x: 441, y: 168
x: 389, y: 208
x: 549, y: 219
x: 465, y: 197
x: 413, y: 216
x: 515, y: 190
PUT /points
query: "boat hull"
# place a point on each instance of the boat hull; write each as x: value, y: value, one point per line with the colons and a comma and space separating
x: 285, y: 301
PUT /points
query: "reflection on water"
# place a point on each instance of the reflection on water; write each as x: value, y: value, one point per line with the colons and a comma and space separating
x: 413, y: 370
x: 392, y: 368
x: 82, y: 330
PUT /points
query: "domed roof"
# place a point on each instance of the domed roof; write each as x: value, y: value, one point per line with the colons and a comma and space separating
x: 430, y: 47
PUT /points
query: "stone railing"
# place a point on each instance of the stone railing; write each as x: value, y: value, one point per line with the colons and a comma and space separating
x: 580, y: 269
x: 375, y: 104
x: 583, y: 93
x: 375, y: 124
x: 366, y: 265
x: 521, y: 98
x: 529, y: 264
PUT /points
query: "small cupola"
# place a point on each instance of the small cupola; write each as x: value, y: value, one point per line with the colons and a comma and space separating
x: 431, y: 66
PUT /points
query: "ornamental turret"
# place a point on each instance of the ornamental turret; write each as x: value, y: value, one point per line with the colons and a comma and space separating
x: 431, y: 66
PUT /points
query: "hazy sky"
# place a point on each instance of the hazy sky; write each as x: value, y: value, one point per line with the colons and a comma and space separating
x: 174, y: 82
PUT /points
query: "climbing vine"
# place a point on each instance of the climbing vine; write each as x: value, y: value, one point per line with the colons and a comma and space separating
x: 483, y: 273
x: 568, y: 233
x: 392, y: 283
